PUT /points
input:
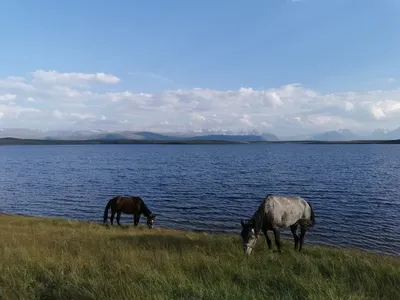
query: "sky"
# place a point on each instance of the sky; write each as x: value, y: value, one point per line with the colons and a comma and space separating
x: 287, y: 67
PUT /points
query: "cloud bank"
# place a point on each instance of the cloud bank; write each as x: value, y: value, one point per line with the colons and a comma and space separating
x: 54, y: 100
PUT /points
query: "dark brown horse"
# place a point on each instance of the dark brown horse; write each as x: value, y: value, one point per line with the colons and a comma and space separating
x: 128, y: 205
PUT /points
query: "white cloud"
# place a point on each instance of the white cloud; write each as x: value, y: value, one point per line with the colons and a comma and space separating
x: 386, y: 108
x: 245, y: 120
x: 348, y: 106
x: 16, y: 83
x: 12, y: 110
x: 57, y: 114
x: 74, y: 116
x: 198, y: 117
x: 66, y: 99
x: 74, y: 78
x: 7, y: 97
x: 86, y: 116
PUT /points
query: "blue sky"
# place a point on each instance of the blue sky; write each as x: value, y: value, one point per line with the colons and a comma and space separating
x: 303, y: 66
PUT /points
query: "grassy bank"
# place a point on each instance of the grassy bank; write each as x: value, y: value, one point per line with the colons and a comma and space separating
x: 61, y: 259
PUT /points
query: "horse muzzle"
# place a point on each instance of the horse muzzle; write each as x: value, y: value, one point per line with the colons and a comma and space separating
x: 247, y: 249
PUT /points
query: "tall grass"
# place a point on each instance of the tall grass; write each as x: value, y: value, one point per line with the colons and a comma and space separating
x: 63, y: 259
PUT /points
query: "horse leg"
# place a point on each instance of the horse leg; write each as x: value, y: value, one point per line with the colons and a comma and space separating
x: 277, y: 234
x: 136, y: 219
x: 303, y: 229
x: 118, y: 218
x: 293, y: 228
x: 265, y: 231
x: 112, y: 217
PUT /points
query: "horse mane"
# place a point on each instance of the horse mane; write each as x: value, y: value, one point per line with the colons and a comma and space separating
x: 312, y: 217
x: 143, y: 207
x: 259, y: 215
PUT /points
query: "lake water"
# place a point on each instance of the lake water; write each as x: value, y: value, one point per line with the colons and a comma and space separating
x: 354, y: 189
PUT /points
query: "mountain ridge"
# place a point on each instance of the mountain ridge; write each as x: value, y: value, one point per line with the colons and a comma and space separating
x: 251, y: 136
x: 129, y: 135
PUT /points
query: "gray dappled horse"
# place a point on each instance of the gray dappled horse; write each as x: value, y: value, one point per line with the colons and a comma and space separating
x: 276, y: 212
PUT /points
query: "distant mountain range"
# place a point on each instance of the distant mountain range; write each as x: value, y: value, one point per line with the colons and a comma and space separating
x: 132, y: 135
x: 335, y: 135
x: 347, y: 135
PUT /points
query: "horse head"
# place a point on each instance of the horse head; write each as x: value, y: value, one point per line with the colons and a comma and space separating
x: 150, y: 220
x: 248, y: 235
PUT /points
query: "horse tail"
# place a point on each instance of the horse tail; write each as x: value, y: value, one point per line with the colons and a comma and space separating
x: 312, y: 217
x: 106, y: 210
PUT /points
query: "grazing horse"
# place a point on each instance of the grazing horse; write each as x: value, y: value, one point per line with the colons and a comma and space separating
x: 276, y: 212
x: 128, y: 205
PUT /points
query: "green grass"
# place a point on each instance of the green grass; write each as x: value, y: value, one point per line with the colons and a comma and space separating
x: 62, y: 259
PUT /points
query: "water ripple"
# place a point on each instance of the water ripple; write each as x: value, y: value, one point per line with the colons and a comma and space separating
x: 354, y: 189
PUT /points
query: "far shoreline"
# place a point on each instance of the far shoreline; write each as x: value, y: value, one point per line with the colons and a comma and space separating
x: 9, y: 141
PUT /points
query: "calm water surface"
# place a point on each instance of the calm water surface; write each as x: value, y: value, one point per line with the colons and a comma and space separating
x: 354, y: 189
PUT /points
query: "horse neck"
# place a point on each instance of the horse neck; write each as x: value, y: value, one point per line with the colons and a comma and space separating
x: 144, y: 209
x: 260, y: 211
x: 258, y: 217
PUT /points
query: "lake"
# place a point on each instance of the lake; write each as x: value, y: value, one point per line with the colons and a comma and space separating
x: 354, y: 189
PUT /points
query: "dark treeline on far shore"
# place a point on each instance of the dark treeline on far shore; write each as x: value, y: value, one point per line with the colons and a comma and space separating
x: 17, y: 141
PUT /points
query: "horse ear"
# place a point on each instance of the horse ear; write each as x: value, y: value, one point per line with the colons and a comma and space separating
x: 154, y: 216
x: 242, y: 223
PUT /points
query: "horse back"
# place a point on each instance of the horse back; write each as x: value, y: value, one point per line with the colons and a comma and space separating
x: 128, y: 205
x: 284, y: 211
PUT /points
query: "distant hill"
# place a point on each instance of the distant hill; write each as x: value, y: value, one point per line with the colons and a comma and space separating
x: 235, y: 138
x: 379, y: 134
x: 129, y: 135
x: 302, y: 137
x: 336, y: 135
x: 251, y: 136
x: 382, y: 134
x: 347, y: 135
x: 160, y: 137
x: 394, y: 134
x: 17, y: 141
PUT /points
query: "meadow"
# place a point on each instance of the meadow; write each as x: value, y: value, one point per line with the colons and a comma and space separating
x: 47, y: 258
